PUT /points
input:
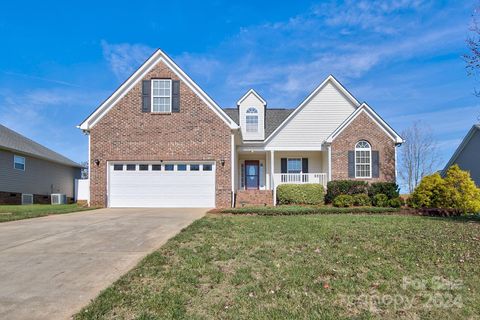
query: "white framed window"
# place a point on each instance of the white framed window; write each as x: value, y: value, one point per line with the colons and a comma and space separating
x: 162, y: 95
x: 363, y: 159
x: 294, y: 165
x: 19, y: 162
x: 251, y: 120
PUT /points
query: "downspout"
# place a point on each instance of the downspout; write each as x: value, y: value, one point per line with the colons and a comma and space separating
x: 89, y: 168
x: 232, y: 169
x: 329, y: 175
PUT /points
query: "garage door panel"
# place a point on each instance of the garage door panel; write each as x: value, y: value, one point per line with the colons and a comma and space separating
x: 161, y: 188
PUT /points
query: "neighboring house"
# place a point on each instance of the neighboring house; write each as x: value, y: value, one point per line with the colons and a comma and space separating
x: 467, y: 155
x: 30, y: 169
x: 160, y: 141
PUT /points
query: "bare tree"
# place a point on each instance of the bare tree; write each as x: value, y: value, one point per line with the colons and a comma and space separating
x: 84, y: 171
x: 472, y: 59
x: 418, y: 155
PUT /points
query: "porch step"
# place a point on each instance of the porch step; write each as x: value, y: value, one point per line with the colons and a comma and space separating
x: 246, y: 198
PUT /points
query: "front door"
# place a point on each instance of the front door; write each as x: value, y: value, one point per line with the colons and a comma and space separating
x: 251, y: 174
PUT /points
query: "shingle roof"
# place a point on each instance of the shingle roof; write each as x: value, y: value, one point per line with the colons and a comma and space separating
x: 14, y: 141
x: 273, y: 118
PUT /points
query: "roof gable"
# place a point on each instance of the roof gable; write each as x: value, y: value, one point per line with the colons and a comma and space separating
x: 474, y: 130
x: 374, y: 116
x: 157, y: 57
x: 330, y: 79
x: 249, y: 92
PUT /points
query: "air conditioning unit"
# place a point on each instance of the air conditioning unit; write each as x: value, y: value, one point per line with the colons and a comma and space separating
x: 27, y: 198
x: 58, y: 198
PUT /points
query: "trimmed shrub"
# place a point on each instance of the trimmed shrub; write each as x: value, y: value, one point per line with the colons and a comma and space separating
x: 390, y: 189
x: 300, y: 194
x: 380, y: 200
x: 343, y: 201
x: 342, y: 187
x: 430, y: 193
x: 396, y: 202
x: 361, y: 200
x: 457, y: 192
x: 462, y: 193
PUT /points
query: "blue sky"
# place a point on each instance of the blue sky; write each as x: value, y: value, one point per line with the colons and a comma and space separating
x: 59, y: 60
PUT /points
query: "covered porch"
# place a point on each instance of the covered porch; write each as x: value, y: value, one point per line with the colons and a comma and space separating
x: 267, y: 169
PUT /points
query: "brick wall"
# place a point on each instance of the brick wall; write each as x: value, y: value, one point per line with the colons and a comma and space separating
x: 10, y: 198
x: 363, y: 128
x: 254, y: 198
x: 194, y: 134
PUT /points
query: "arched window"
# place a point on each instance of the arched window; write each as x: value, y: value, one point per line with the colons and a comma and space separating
x: 251, y: 120
x: 363, y: 159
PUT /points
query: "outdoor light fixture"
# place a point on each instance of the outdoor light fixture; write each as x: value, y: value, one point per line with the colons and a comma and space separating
x: 222, y: 162
x: 97, y: 162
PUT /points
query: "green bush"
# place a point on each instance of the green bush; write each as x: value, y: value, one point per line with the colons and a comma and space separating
x: 390, y: 189
x: 462, y: 193
x: 343, y: 201
x: 380, y: 200
x: 396, y: 202
x: 300, y: 194
x: 342, y: 187
x: 430, y: 193
x: 361, y: 200
x: 457, y: 191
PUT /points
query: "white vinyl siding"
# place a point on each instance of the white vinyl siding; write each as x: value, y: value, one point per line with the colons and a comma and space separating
x: 248, y: 131
x: 162, y: 95
x: 315, y: 121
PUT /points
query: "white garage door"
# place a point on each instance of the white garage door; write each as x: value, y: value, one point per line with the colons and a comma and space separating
x: 161, y: 185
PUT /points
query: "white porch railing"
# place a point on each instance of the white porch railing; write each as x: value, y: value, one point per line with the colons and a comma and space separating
x: 292, y: 178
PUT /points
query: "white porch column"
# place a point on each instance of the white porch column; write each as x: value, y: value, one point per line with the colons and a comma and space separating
x: 329, y: 175
x: 272, y: 174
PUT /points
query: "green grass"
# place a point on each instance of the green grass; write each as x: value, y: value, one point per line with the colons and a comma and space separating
x: 18, y: 212
x: 303, y: 267
x: 301, y: 210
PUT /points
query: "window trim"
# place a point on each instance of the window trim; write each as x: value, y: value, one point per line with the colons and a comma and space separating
x: 15, y: 156
x: 301, y: 165
x: 369, y: 149
x: 154, y: 96
x: 252, y: 113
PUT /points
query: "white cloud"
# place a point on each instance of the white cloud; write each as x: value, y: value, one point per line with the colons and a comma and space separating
x: 125, y: 58
x: 380, y: 16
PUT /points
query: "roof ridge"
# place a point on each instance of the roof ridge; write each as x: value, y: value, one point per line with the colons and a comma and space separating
x: 38, y: 145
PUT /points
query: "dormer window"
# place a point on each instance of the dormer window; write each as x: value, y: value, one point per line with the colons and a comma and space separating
x: 251, y: 120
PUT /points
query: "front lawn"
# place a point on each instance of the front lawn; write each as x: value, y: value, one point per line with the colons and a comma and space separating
x: 18, y: 212
x: 305, y: 267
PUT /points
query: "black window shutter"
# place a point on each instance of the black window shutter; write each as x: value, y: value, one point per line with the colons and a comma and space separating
x: 146, y: 95
x: 176, y: 96
x: 305, y: 165
x: 351, y: 164
x: 375, y: 164
x: 283, y: 162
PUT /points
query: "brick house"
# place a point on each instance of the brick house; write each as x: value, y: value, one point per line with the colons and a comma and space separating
x: 160, y: 141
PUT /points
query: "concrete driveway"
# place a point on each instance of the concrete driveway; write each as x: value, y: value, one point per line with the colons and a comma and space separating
x: 51, y: 267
